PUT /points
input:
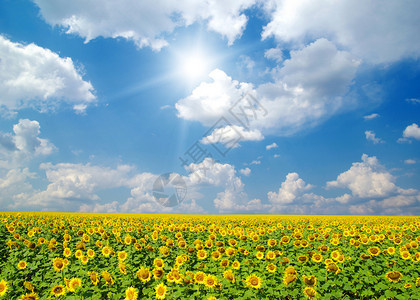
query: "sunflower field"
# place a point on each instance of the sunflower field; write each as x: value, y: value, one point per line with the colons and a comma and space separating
x: 140, y: 256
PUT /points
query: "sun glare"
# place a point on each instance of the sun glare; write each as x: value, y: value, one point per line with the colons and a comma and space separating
x: 194, y: 66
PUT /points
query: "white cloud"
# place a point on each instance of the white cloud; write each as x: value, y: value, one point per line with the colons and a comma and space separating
x: 210, y: 101
x: 18, y: 148
x: 246, y: 171
x: 366, y: 179
x: 410, y: 161
x: 32, y: 76
x: 275, y: 54
x: 255, y: 162
x: 412, y: 131
x: 290, y: 189
x: 233, y: 198
x: 371, y: 116
x: 276, y: 155
x: 413, y: 100
x: 144, y: 22
x: 370, y: 136
x: 228, y: 136
x: 376, y: 31
x: 271, y: 146
x: 306, y: 90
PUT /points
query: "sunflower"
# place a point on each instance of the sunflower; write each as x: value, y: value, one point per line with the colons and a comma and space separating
x: 160, y: 291
x: 200, y: 277
x: 418, y: 282
x: 317, y: 258
x: 58, y: 264
x: 107, y: 277
x: 122, y: 255
x: 374, y: 251
x: 216, y: 255
x: 201, y: 254
x: 158, y: 273
x: 30, y: 296
x: 271, y: 268
x: 67, y: 252
x: 253, y: 281
x: 229, y: 276
x: 22, y: 265
x: 3, y: 287
x: 159, y: 263
x: 270, y: 255
x: 127, y: 239
x: 74, y: 284
x: 122, y: 268
x: 131, y: 293
x: 309, y: 280
x: 210, y: 281
x: 236, y: 265
x: 84, y: 260
x: 78, y: 254
x: 332, y: 267
x: 405, y: 255
x: 393, y: 276
x: 303, y: 259
x: 289, y: 278
x: 106, y: 251
x: 309, y: 292
x: 58, y: 290
x: 259, y: 255
x: 94, y: 277
x: 90, y: 253
x: 144, y: 274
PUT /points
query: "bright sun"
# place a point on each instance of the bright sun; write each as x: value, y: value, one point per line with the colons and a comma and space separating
x: 194, y: 66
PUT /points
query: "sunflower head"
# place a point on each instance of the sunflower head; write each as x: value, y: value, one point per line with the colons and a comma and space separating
x: 144, y: 274
x: 58, y: 290
x: 22, y: 265
x: 131, y: 293
x: 160, y: 291
x: 3, y: 287
x: 210, y: 281
x: 253, y: 281
x: 309, y: 280
x: 309, y: 292
x: 271, y: 268
x: 393, y: 276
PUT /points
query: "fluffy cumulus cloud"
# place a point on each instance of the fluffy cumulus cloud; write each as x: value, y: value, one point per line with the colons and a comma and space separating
x: 233, y: 198
x: 307, y: 89
x: 412, y: 131
x: 212, y: 100
x: 231, y: 135
x: 371, y: 136
x: 32, y: 76
x: 375, y: 31
x: 24, y: 144
x: 366, y: 179
x: 290, y: 189
x: 144, y: 22
x: 245, y: 171
x: 373, y: 190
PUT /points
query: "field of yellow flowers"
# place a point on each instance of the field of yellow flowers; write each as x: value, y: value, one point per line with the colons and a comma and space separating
x: 116, y: 256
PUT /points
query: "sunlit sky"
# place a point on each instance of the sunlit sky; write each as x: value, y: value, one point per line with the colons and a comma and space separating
x: 98, y: 98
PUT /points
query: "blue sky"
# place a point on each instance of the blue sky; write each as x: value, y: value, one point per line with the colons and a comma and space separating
x: 98, y: 99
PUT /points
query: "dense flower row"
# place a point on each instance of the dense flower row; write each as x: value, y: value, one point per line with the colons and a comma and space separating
x: 100, y: 256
